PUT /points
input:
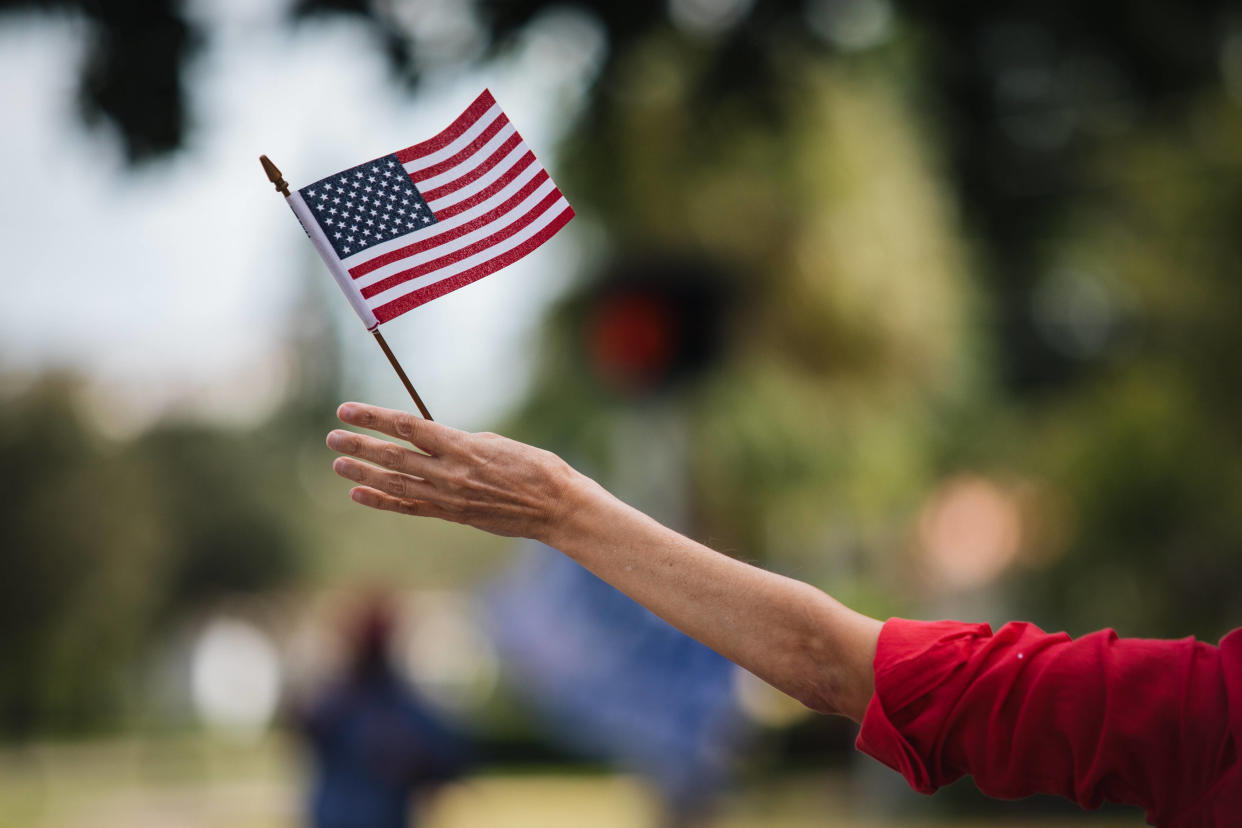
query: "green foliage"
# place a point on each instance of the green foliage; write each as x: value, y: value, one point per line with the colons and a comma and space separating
x: 103, y: 542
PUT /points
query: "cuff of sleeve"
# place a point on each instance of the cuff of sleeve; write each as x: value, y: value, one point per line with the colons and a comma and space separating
x: 913, y: 660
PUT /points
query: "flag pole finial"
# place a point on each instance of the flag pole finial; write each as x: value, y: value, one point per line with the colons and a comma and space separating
x: 282, y: 187
x: 274, y: 176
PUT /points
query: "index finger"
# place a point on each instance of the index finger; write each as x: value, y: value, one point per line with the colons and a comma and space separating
x: 429, y: 436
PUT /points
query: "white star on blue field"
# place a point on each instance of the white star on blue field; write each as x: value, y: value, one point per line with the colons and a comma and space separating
x: 360, y: 207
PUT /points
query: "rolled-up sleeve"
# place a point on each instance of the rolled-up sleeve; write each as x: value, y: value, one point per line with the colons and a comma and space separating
x: 1095, y: 719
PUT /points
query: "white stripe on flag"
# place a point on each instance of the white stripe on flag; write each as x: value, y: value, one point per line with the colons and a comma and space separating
x: 494, y: 226
x: 473, y: 160
x: 397, y: 291
x: 464, y: 217
x: 457, y: 144
x: 482, y: 181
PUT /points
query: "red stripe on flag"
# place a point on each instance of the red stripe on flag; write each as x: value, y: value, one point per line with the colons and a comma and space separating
x: 450, y: 133
x: 413, y: 299
x: 517, y: 198
x: 475, y: 174
x: 488, y: 191
x: 462, y: 252
x: 444, y: 166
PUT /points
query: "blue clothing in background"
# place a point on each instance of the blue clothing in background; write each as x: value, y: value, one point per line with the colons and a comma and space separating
x: 377, y: 748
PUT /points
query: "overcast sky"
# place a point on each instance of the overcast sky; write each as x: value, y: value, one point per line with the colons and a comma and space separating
x: 167, y: 286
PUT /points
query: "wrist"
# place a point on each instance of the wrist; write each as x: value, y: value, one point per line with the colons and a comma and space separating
x: 571, y: 512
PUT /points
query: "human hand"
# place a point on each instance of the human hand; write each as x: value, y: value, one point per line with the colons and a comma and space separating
x: 481, y: 480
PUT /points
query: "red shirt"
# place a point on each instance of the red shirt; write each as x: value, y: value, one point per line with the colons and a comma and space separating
x: 1137, y: 721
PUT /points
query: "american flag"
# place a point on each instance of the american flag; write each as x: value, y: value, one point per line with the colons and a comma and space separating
x: 406, y: 228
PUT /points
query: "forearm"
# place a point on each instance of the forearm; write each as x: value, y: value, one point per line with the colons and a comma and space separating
x: 788, y: 633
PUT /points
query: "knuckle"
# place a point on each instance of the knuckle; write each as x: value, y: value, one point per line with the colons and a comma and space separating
x: 398, y: 487
x: 391, y: 456
x: 404, y: 426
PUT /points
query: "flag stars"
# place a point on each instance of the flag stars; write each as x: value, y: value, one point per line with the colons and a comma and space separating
x: 367, y: 206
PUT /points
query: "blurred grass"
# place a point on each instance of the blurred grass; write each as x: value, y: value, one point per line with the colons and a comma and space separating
x: 197, y: 782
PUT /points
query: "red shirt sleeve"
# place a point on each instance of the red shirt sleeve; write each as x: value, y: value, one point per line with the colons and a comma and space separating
x: 1098, y: 718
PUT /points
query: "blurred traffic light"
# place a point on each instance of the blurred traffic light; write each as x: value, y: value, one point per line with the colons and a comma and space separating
x: 655, y: 323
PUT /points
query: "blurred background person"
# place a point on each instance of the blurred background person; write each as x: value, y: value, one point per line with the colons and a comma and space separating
x: 379, y: 751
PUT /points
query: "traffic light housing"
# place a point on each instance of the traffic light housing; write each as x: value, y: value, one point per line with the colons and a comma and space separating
x: 653, y: 324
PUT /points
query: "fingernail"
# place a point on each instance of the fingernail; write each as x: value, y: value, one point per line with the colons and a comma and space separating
x: 335, y: 439
x: 345, y: 411
x: 338, y: 465
x: 356, y: 494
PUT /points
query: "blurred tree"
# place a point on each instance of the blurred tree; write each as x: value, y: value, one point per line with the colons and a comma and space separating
x: 80, y: 544
x: 133, y: 77
x: 1142, y: 283
x: 104, y: 541
x: 222, y: 532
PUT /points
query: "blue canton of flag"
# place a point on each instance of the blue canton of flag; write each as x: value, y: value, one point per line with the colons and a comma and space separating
x: 365, y: 205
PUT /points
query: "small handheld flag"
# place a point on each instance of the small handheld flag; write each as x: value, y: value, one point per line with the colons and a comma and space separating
x: 408, y: 227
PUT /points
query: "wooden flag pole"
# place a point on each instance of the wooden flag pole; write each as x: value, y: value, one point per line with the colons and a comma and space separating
x: 396, y: 366
x: 282, y: 187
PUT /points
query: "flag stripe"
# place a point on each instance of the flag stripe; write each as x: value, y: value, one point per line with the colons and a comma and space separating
x: 489, y: 163
x: 496, y: 168
x: 428, y: 176
x: 466, y: 263
x: 421, y: 296
x: 480, y: 194
x: 360, y: 259
x: 457, y: 144
x: 509, y: 204
x: 464, y: 251
x: 482, y: 105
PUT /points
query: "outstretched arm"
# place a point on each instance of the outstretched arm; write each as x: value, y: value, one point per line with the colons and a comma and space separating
x: 1095, y: 719
x: 788, y: 633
